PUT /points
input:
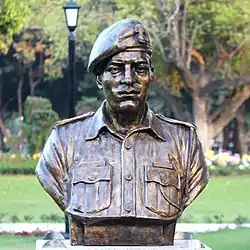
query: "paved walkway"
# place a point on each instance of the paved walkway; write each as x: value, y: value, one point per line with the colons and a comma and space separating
x: 60, y: 227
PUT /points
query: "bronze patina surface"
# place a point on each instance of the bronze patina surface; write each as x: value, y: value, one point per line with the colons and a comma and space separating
x: 123, y: 174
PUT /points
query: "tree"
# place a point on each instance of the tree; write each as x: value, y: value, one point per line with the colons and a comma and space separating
x: 190, y: 42
x: 32, y: 49
x: 13, y: 17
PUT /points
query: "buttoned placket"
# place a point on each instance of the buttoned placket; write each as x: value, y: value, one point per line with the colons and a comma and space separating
x: 128, y: 176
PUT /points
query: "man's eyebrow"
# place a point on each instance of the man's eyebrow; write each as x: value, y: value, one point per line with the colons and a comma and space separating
x: 128, y: 61
x: 115, y: 62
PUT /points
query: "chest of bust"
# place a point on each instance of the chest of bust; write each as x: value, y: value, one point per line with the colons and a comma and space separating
x: 140, y: 176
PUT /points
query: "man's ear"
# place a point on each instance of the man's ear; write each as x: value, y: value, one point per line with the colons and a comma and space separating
x: 99, y: 81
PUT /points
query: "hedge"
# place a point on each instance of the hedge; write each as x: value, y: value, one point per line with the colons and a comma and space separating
x: 18, y: 164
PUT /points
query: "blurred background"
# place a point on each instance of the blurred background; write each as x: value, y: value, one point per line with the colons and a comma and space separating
x: 201, y: 59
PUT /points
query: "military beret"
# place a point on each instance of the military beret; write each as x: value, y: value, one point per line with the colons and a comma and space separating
x: 122, y: 35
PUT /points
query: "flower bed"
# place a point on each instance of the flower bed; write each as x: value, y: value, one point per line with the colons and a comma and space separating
x: 226, y: 163
x: 18, y: 164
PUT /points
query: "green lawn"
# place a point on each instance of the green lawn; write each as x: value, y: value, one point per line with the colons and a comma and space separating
x: 23, y: 195
x: 17, y: 243
x: 223, y: 195
x: 223, y: 240
x: 227, y: 239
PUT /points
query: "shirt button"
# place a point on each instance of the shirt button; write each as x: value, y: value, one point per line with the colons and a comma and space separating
x: 127, y: 145
x: 128, y: 208
x: 128, y: 177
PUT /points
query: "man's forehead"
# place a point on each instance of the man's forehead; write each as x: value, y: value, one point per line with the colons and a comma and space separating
x: 122, y: 35
x: 130, y: 57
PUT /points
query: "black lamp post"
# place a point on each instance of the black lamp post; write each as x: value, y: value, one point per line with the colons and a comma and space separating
x: 71, y: 10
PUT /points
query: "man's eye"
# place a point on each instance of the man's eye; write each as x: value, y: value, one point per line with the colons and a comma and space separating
x: 141, y: 68
x: 114, y: 70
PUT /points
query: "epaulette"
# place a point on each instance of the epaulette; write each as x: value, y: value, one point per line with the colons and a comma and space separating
x: 73, y: 119
x: 167, y: 119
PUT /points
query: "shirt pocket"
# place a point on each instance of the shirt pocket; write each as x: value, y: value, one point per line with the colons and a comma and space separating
x: 162, y: 191
x: 91, y: 187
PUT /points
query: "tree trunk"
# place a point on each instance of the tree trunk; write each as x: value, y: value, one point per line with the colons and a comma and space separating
x: 230, y: 112
x: 1, y: 112
x: 242, y: 132
x: 32, y: 90
x: 200, y: 109
x: 31, y: 81
x: 237, y: 140
x: 19, y: 97
x: 226, y: 137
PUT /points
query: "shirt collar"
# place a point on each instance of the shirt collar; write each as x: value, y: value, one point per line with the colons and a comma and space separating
x: 100, y: 122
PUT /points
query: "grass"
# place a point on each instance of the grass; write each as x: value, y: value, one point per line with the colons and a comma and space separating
x: 223, y: 195
x: 17, y: 243
x: 227, y: 239
x: 223, y: 240
x: 23, y: 195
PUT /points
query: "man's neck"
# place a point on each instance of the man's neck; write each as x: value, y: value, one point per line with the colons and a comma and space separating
x: 125, y: 122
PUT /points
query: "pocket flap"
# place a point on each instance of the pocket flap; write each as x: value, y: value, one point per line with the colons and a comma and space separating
x: 91, y: 174
x: 163, y: 176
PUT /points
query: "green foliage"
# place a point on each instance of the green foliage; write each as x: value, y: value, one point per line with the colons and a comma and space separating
x: 39, y: 117
x: 14, y: 219
x: 51, y: 218
x: 27, y: 218
x: 13, y: 17
x: 241, y: 219
x: 93, y: 17
x: 2, y: 215
x: 228, y: 21
x: 220, y: 171
x: 16, y: 167
x: 87, y: 104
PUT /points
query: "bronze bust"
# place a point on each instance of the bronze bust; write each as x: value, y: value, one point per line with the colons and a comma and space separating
x: 123, y: 174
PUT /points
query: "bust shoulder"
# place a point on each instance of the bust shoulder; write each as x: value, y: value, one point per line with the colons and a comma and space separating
x: 176, y: 122
x: 72, y: 120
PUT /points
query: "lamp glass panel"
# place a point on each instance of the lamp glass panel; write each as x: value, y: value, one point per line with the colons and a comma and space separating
x: 71, y: 15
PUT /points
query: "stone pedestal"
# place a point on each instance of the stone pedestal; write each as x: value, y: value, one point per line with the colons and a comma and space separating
x: 191, y: 244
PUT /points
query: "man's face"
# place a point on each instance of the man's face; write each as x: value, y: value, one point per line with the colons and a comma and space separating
x: 125, y: 81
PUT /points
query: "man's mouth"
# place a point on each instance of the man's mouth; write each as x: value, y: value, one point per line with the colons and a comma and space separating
x: 128, y: 92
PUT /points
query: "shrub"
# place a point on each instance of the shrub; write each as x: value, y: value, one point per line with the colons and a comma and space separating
x: 218, y: 218
x: 52, y: 218
x: 38, y: 119
x: 2, y: 215
x: 207, y: 219
x: 28, y: 218
x: 241, y: 219
x: 14, y: 219
x: 17, y: 164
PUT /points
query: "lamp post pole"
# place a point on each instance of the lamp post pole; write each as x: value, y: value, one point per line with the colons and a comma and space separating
x: 72, y: 73
x: 71, y: 10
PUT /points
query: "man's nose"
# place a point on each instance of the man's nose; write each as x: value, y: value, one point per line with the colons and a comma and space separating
x: 128, y: 75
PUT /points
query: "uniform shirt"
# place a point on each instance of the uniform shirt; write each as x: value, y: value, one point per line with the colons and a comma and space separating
x: 92, y: 172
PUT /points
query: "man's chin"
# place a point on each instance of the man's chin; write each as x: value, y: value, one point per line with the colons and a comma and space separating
x: 129, y: 106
